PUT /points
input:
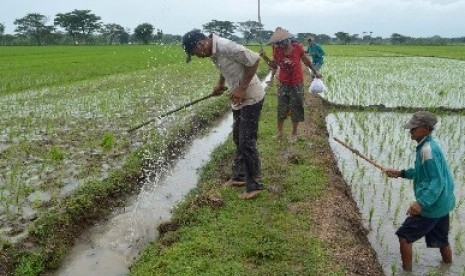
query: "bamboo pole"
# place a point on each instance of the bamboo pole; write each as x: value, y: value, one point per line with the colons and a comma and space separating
x: 260, y: 27
x: 170, y: 112
x: 369, y: 160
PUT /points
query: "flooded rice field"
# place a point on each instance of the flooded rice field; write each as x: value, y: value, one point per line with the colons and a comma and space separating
x: 111, y: 246
x: 383, y: 201
x: 53, y: 142
x: 395, y: 81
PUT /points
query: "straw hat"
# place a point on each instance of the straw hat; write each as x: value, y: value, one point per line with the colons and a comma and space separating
x: 279, y: 34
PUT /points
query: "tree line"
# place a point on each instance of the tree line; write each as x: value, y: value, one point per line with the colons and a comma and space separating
x: 84, y: 27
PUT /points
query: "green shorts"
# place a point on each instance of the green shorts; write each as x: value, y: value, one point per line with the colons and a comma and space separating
x: 291, y: 101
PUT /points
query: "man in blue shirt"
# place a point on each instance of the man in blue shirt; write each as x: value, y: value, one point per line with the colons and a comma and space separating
x: 316, y: 53
x: 434, y: 193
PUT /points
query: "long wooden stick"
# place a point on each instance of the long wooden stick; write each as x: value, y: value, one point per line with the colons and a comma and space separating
x: 369, y: 160
x: 260, y: 27
x: 170, y: 112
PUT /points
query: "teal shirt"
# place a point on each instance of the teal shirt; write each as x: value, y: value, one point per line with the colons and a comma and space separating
x: 316, y: 52
x: 432, y: 180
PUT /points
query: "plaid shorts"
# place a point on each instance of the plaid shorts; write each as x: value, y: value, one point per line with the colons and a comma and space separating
x: 291, y: 101
x: 435, y: 230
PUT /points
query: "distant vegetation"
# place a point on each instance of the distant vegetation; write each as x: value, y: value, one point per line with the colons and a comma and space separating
x: 84, y: 27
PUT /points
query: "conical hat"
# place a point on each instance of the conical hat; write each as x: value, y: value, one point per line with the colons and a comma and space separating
x: 279, y: 35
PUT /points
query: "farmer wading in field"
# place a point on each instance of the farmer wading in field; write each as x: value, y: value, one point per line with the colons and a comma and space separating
x: 434, y: 193
x: 238, y: 66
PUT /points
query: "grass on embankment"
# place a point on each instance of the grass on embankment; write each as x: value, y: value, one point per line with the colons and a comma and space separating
x: 219, y: 234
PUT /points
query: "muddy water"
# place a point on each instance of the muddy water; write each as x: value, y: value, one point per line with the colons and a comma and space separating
x: 110, y: 247
x: 383, y: 201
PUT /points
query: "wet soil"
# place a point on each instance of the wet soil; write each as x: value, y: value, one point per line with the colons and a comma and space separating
x: 336, y: 218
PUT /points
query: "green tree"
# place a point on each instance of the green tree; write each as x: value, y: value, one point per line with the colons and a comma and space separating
x: 353, y: 37
x: 2, y: 31
x: 250, y: 30
x: 170, y: 39
x: 323, y: 39
x: 78, y: 23
x: 266, y: 34
x: 304, y: 36
x: 222, y: 28
x: 123, y: 38
x: 144, y: 32
x: 33, y: 27
x: 112, y: 32
x: 343, y: 37
x: 398, y: 38
x: 367, y: 37
x: 159, y: 36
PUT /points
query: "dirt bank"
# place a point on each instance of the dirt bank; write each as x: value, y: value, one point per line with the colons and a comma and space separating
x: 336, y: 219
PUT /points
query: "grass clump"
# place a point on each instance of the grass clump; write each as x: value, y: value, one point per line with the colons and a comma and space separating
x: 108, y: 141
x: 55, y: 154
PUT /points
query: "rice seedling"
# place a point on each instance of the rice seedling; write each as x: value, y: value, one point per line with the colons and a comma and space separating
x: 379, y: 225
x: 396, y: 215
x: 108, y: 141
x: 459, y: 248
x: 416, y: 256
x: 393, y: 81
x: 389, y: 199
x: 434, y: 271
x: 393, y: 268
x: 55, y: 154
x: 370, y: 213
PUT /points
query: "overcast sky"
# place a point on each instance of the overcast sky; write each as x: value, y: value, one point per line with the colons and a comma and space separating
x: 416, y: 18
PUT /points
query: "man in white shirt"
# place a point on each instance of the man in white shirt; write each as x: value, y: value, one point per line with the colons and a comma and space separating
x: 238, y: 66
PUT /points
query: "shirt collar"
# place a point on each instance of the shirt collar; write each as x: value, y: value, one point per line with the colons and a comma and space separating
x: 424, y: 140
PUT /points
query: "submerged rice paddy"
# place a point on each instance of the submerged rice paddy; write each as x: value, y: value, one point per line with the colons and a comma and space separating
x: 396, y: 81
x: 58, y: 138
x: 419, y: 82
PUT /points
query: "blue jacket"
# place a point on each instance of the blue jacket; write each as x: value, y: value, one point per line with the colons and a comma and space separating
x: 316, y: 52
x: 432, y: 180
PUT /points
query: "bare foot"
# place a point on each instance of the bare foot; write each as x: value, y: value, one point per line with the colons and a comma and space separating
x: 249, y: 195
x: 234, y: 183
x: 293, y: 138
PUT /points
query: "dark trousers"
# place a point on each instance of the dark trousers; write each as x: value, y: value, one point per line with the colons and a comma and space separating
x: 246, y: 165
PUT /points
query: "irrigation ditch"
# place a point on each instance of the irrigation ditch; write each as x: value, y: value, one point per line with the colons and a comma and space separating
x: 110, y: 247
